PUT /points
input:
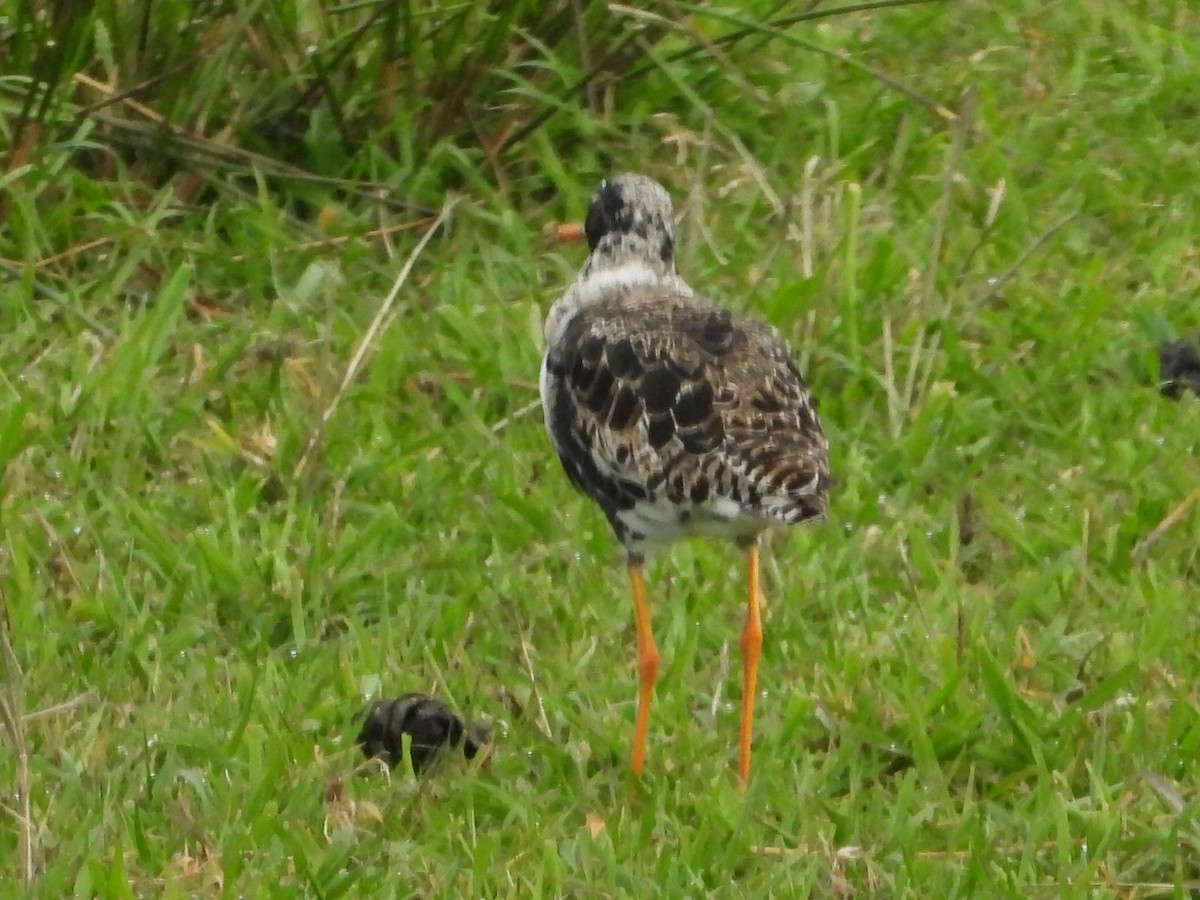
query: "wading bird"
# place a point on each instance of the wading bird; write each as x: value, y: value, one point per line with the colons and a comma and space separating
x: 677, y: 417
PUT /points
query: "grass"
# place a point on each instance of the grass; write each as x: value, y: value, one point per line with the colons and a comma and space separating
x: 975, y: 220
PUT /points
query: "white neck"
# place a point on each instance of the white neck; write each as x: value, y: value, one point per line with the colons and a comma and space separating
x: 602, y: 283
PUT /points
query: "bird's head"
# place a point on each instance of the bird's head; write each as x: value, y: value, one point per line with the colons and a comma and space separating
x: 632, y: 209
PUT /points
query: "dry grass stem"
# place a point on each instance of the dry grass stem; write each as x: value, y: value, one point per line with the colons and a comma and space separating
x: 366, y: 342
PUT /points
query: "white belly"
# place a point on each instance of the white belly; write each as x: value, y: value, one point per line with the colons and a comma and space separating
x: 664, y: 522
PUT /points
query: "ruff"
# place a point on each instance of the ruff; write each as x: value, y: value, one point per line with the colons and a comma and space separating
x: 675, y: 416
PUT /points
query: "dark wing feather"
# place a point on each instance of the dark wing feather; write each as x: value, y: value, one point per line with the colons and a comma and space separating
x: 669, y: 393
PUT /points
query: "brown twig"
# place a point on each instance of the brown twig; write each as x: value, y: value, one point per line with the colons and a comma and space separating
x: 1173, y: 518
x: 64, y: 707
x: 65, y: 254
x: 338, y: 240
x: 518, y: 414
x: 365, y: 343
x: 319, y: 244
x: 112, y: 96
x: 542, y: 722
x: 996, y: 284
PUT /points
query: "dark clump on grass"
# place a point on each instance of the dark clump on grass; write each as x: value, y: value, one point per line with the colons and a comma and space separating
x: 1179, y: 367
x: 429, y: 723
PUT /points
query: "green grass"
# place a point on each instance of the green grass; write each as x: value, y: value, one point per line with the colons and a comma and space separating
x: 972, y: 684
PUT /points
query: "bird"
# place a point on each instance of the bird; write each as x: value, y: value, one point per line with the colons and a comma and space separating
x: 676, y: 416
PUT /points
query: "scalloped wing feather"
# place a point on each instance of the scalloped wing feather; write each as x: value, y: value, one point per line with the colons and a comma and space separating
x: 679, y: 417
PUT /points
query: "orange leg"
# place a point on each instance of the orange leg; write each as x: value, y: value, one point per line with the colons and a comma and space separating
x: 647, y: 663
x: 751, y: 651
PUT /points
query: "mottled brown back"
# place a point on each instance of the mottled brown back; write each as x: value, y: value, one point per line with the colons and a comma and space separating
x: 665, y: 395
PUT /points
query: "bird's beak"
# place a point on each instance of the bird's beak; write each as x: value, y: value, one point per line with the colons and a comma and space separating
x: 567, y: 232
